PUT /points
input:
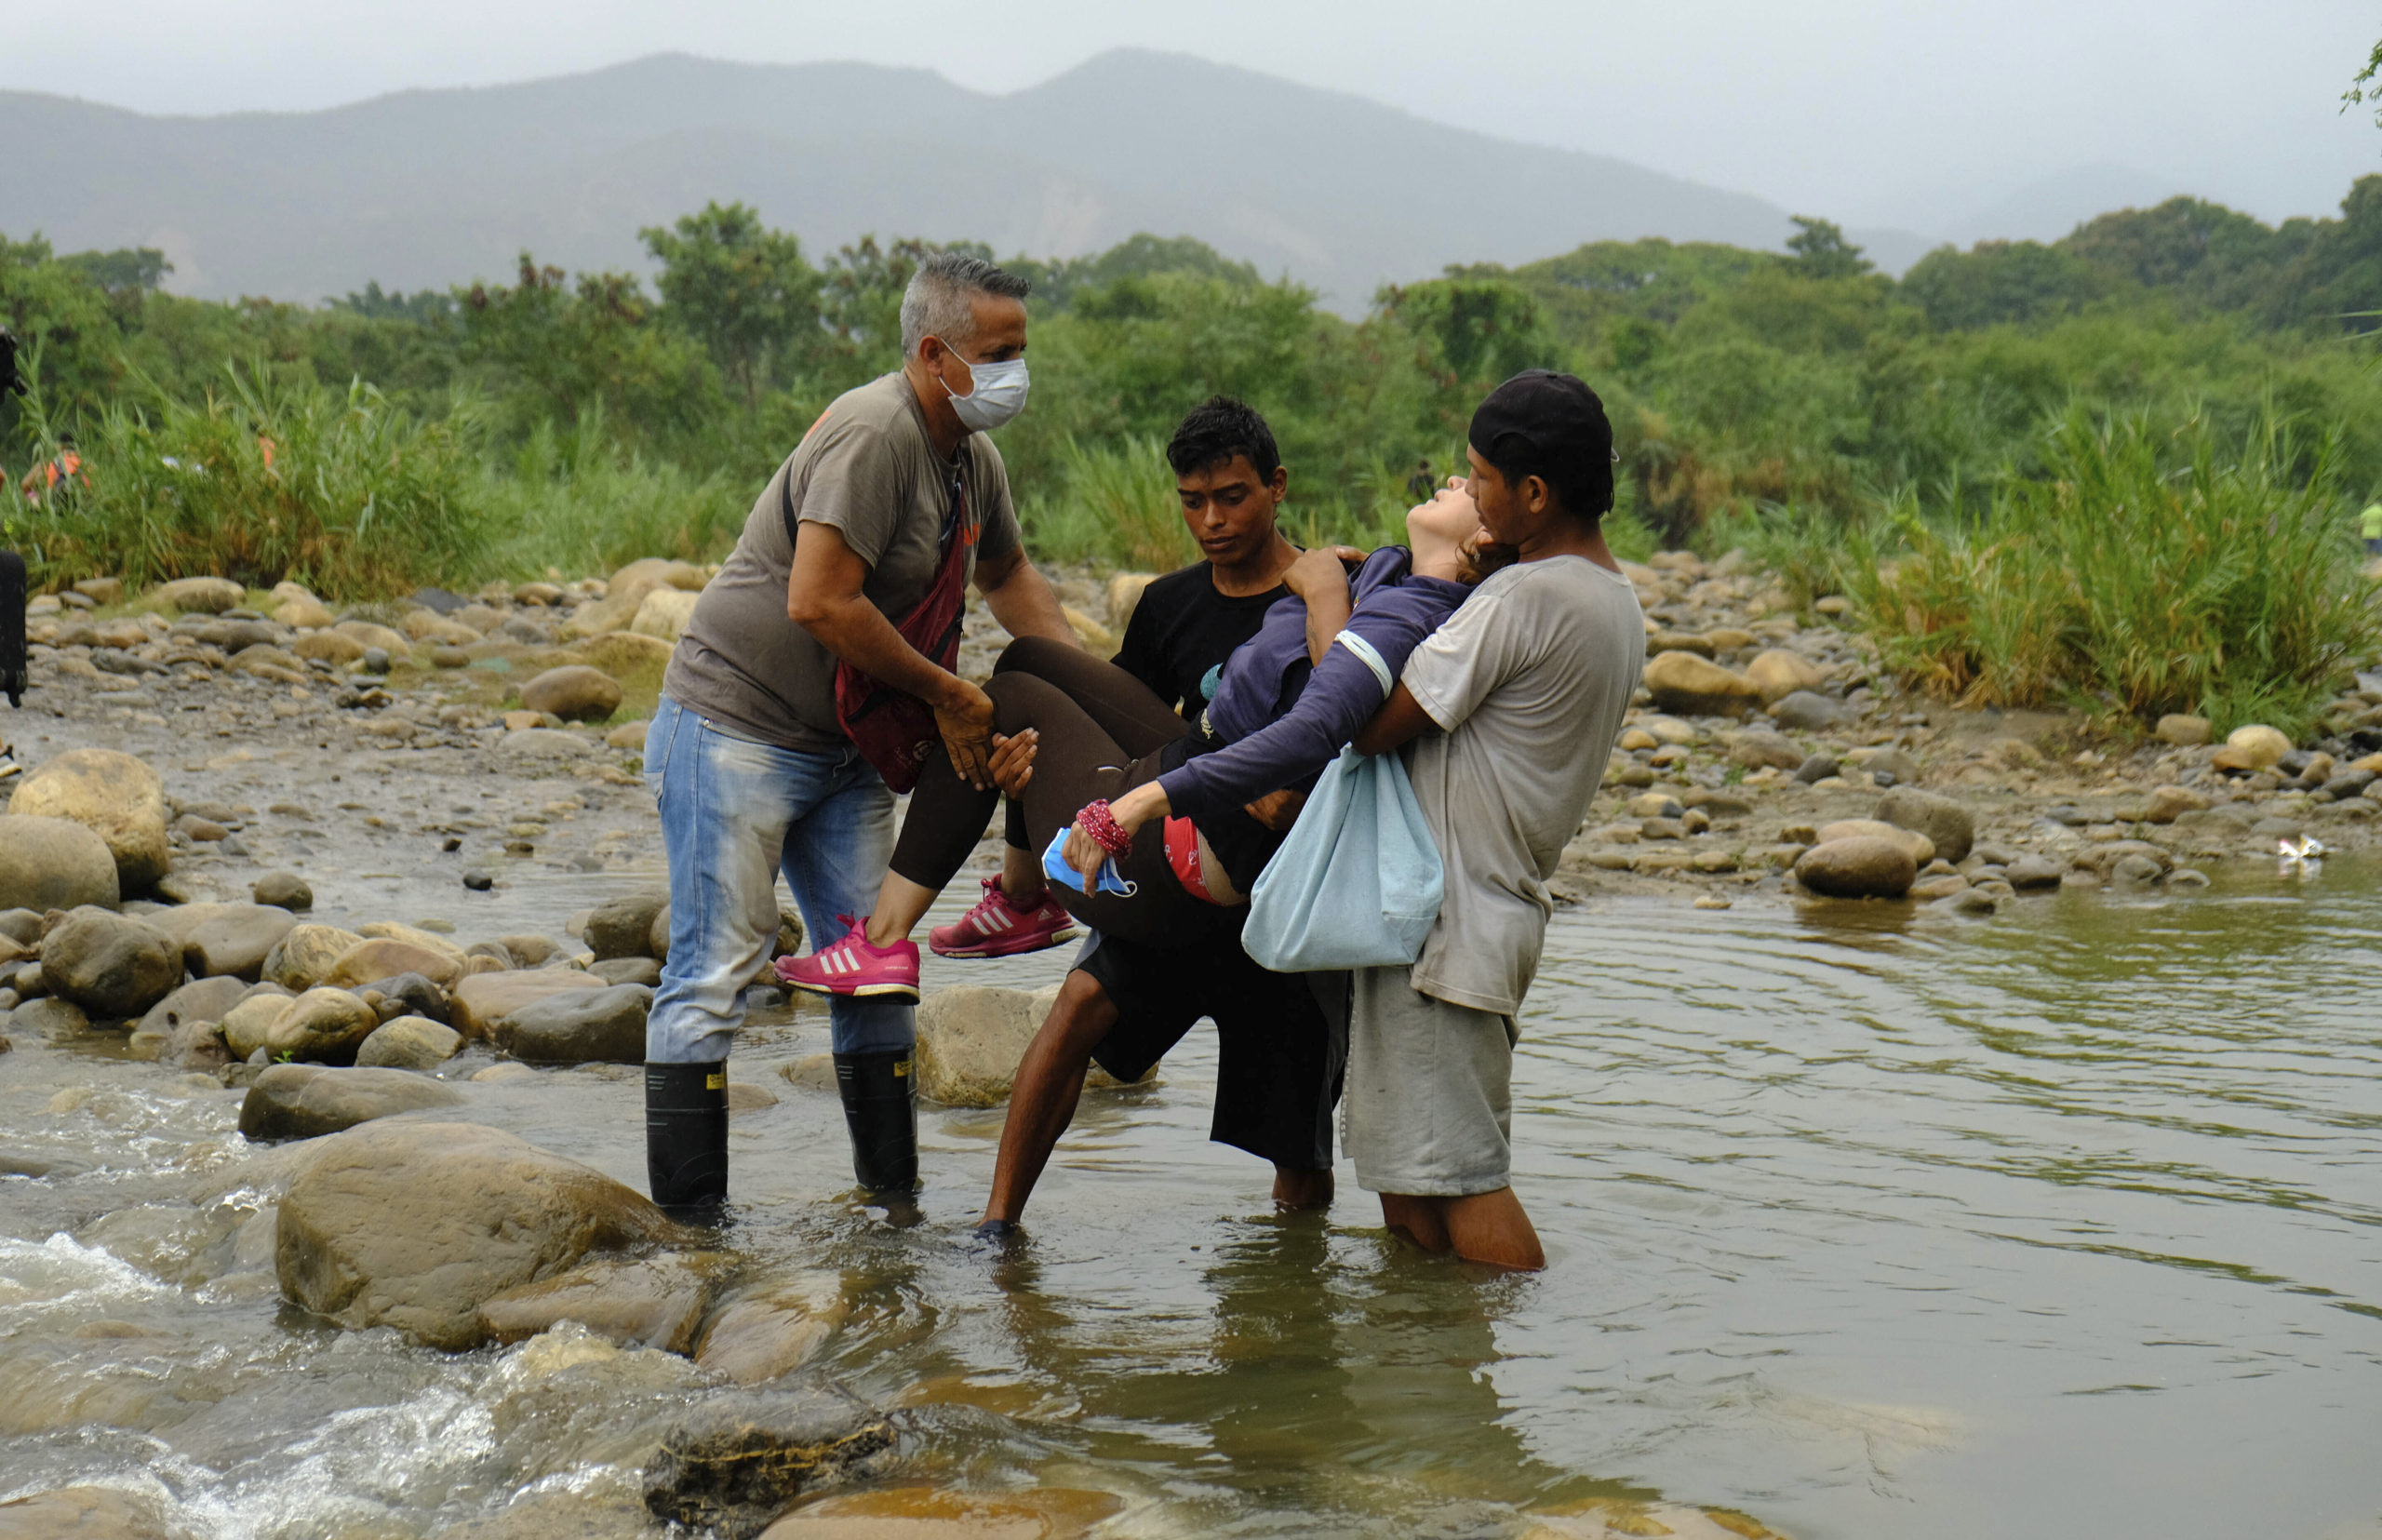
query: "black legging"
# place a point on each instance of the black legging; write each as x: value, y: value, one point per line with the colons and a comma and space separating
x: 1101, y: 733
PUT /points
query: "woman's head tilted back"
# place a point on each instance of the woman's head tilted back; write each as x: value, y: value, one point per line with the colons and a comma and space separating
x: 1541, y: 448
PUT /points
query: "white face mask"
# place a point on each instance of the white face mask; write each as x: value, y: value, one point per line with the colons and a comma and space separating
x: 999, y: 395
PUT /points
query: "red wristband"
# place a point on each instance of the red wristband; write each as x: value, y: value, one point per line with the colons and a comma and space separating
x: 1101, y: 823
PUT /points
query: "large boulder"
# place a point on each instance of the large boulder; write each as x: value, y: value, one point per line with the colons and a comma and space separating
x: 970, y: 1040
x: 1686, y: 685
x: 1778, y: 674
x: 385, y: 958
x: 1947, y: 823
x: 413, y: 1224
x: 247, y: 1024
x: 113, y: 795
x: 109, y: 964
x: 574, y: 693
x: 666, y: 613
x: 85, y: 1513
x: 2254, y: 747
x: 200, y: 596
x: 321, y: 1027
x: 306, y: 953
x: 580, y: 1026
x: 624, y: 927
x: 1862, y: 866
x: 221, y: 940
x: 307, y: 1101
x: 409, y: 1042
x: 482, y: 1000
x: 734, y: 1461
x: 636, y: 1302
x: 55, y: 864
x: 768, y: 1331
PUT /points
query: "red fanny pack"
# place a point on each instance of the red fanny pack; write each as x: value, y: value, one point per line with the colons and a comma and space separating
x: 894, y: 731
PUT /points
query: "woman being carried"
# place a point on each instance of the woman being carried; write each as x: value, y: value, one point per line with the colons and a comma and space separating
x: 1163, y: 801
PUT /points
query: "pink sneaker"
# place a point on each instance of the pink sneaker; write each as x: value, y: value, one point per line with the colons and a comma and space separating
x: 998, y: 927
x: 852, y: 967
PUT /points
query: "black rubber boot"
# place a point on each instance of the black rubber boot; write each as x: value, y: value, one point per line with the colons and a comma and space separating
x: 686, y: 1138
x: 881, y: 1109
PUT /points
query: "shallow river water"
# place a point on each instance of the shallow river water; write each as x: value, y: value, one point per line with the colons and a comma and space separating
x: 1861, y: 1223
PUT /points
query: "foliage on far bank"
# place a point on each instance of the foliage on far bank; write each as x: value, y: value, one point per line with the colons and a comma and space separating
x: 2147, y: 569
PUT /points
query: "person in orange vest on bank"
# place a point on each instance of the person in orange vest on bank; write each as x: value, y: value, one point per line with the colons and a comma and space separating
x: 42, y: 479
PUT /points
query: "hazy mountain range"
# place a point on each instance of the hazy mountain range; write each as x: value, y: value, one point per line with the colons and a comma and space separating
x: 424, y: 189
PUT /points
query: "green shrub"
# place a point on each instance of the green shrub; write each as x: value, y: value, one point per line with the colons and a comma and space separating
x: 2145, y: 568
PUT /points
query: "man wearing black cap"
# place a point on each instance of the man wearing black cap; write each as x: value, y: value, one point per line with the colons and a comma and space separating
x: 1512, y: 707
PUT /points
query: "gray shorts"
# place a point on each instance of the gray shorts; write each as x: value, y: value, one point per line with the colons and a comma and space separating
x: 1429, y: 1106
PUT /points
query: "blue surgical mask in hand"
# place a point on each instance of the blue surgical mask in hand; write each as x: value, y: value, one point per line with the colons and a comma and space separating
x: 1055, y: 867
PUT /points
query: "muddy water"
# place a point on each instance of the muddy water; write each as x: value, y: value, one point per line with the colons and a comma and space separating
x: 1861, y: 1223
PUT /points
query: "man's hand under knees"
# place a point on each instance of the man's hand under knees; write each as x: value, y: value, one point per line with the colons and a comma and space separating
x: 964, y: 717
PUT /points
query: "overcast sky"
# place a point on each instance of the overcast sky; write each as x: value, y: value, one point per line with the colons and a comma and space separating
x: 1872, y: 111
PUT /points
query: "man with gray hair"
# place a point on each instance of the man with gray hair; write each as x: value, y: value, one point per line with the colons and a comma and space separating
x: 814, y: 675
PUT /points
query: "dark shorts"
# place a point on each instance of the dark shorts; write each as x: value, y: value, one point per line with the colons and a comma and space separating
x: 1277, y: 1057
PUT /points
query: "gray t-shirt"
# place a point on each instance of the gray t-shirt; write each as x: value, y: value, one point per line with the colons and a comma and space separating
x: 867, y: 468
x: 1529, y: 679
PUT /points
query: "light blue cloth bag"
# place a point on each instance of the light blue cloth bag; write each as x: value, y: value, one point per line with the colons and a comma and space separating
x: 1357, y: 883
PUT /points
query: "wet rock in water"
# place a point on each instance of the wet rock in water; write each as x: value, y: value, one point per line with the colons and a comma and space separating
x: 408, y: 1042
x: 970, y: 1041
x: 1778, y: 674
x: 302, y: 958
x: 2136, y: 871
x: 735, y: 1461
x: 109, y: 964
x: 1803, y: 711
x: 201, y: 1003
x: 2268, y: 829
x: 227, y: 939
x: 644, y: 970
x: 321, y: 1027
x: 1819, y: 766
x: 1946, y: 821
x: 1754, y: 750
x: 84, y: 1513
x: 479, y: 1002
x: 1921, y: 849
x: 635, y: 1301
x: 245, y: 1025
x: 2184, y: 731
x: 580, y: 1026
x: 1690, y: 686
x: 284, y: 890
x: 308, y: 1101
x: 939, y: 1513
x: 2034, y: 873
x: 624, y: 927
x: 574, y: 693
x: 412, y: 1224
x: 1929, y: 889
x: 767, y: 1331
x: 409, y: 994
x: 55, y: 864
x: 113, y: 795
x: 2168, y: 803
x: 2187, y: 876
x: 1860, y: 867
x: 52, y: 1021
x: 385, y: 957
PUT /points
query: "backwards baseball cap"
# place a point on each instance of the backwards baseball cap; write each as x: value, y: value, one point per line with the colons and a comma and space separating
x: 1552, y: 426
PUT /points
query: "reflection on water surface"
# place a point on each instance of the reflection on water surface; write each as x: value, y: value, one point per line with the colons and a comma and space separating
x: 1862, y: 1223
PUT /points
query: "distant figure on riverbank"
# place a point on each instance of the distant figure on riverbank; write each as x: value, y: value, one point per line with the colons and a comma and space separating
x: 42, y: 480
x: 2371, y: 527
x: 1420, y: 487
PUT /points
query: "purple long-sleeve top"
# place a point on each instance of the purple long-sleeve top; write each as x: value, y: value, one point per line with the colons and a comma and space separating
x: 1276, y: 719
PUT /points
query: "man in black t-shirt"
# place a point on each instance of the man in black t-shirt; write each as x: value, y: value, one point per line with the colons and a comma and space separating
x: 1124, y: 1005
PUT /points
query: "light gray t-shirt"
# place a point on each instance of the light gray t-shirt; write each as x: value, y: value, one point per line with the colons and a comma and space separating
x: 1529, y: 679
x: 867, y: 468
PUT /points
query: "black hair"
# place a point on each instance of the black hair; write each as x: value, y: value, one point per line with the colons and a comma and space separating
x: 1554, y: 427
x: 1218, y: 429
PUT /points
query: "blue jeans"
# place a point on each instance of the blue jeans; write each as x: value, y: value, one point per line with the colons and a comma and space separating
x: 734, y: 814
